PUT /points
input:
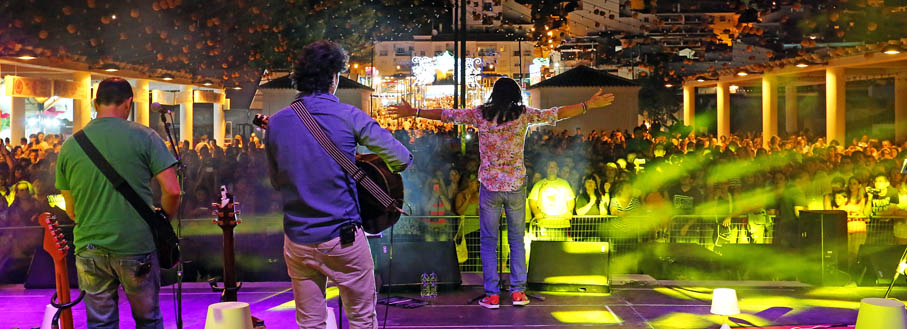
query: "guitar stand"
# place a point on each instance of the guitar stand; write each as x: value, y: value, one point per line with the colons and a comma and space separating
x: 224, y: 290
x: 61, y: 307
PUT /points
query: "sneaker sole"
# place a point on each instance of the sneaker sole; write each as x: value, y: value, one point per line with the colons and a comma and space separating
x: 490, y: 306
x: 516, y: 303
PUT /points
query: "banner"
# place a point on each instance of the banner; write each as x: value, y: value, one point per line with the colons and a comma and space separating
x: 206, y: 96
x: 17, y: 86
x: 67, y: 89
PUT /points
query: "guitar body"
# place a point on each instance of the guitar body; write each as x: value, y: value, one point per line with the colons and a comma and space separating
x: 375, y: 217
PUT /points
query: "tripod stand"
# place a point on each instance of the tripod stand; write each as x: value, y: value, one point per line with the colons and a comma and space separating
x: 168, y: 126
x: 501, y: 286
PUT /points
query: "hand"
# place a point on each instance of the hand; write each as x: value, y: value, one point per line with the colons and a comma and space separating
x: 726, y: 222
x: 401, y: 110
x: 600, y: 99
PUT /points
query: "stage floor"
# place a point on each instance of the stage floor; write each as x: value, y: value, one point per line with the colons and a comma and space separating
x: 640, y: 304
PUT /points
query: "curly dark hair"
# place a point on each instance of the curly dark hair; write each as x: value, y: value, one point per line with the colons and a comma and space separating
x: 314, y: 69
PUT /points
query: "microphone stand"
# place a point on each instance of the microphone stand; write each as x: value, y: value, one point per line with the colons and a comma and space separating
x: 168, y: 127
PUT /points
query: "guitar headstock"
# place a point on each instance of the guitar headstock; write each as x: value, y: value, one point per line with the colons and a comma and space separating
x: 54, y: 242
x: 261, y: 121
x: 226, y: 210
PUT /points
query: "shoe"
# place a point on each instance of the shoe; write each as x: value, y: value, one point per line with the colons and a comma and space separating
x: 519, y: 298
x: 492, y: 302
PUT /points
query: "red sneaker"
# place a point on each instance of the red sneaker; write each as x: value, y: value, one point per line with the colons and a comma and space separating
x: 492, y: 302
x: 519, y: 298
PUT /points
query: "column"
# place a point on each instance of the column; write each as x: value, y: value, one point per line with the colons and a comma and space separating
x: 81, y: 106
x: 724, y: 109
x: 141, y: 100
x: 835, y: 117
x: 769, y: 108
x: 689, y: 106
x: 186, y: 103
x: 220, y: 124
x: 791, y: 109
x: 900, y: 108
x: 16, y: 119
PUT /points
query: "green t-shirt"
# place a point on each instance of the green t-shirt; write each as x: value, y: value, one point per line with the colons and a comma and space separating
x: 103, y: 216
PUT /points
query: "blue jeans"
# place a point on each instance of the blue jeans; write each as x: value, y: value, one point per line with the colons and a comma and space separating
x: 101, y: 273
x: 514, y: 205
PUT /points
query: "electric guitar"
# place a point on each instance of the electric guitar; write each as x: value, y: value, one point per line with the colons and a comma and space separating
x: 56, y: 245
x: 226, y: 212
x: 375, y: 217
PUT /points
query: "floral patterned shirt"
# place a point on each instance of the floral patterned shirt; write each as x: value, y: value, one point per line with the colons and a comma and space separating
x: 501, y: 146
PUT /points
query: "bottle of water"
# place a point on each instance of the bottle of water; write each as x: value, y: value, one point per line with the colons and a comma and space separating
x: 433, y: 285
x: 426, y: 289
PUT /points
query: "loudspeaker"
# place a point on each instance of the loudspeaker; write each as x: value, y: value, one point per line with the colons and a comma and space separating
x: 823, y: 244
x: 41, y: 271
x: 680, y: 261
x: 877, y: 264
x: 569, y: 266
x: 411, y: 260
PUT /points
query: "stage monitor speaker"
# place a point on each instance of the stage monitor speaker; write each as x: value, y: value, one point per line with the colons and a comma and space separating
x: 412, y: 259
x: 877, y: 264
x: 823, y: 243
x: 41, y: 271
x: 569, y: 266
x: 680, y: 261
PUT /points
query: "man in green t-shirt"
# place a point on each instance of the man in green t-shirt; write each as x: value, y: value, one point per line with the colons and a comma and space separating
x: 113, y: 243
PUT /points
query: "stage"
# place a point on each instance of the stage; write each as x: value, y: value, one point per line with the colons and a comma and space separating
x: 636, y: 302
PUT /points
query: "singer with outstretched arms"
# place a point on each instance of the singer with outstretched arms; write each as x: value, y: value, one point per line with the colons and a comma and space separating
x: 114, y: 244
x: 324, y: 238
x: 502, y: 124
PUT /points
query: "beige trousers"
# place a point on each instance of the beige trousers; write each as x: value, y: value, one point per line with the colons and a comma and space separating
x: 350, y: 266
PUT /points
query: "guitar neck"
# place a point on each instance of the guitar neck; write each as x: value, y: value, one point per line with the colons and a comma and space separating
x: 62, y: 276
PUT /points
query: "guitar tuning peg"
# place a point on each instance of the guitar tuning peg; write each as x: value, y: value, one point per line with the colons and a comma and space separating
x: 66, y: 248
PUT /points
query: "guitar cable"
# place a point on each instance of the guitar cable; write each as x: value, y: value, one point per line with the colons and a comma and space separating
x: 390, y: 267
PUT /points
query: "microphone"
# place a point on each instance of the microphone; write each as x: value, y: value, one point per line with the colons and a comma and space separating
x: 158, y: 108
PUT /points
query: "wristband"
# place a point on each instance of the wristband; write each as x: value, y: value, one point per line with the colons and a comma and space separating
x: 418, y: 112
x: 584, y: 107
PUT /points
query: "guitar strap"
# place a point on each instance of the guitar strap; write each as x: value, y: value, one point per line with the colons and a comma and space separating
x: 348, y: 166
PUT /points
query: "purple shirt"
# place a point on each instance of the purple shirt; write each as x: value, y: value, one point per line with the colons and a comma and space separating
x: 318, y: 196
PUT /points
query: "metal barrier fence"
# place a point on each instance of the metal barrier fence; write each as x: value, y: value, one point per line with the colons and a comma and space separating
x: 624, y: 233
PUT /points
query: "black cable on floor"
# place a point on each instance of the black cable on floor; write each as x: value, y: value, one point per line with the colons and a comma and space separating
x: 387, y: 294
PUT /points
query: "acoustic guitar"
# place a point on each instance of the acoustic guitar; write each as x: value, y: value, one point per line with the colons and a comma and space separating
x: 375, y: 217
x: 56, y: 245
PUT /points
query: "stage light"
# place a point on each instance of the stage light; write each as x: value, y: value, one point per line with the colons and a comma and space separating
x: 892, y: 50
x: 724, y: 302
x: 167, y: 77
x: 27, y: 55
x: 700, y: 79
x: 207, y: 83
x: 669, y: 85
x: 742, y: 73
x: 110, y: 67
x: 802, y: 64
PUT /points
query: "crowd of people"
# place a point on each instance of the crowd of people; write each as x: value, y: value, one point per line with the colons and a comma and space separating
x: 652, y: 173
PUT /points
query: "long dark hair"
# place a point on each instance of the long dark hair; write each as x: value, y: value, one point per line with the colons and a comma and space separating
x: 505, y: 103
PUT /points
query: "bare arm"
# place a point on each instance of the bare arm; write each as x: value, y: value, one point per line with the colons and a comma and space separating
x: 596, y: 101
x: 170, y: 191
x: 406, y: 110
x: 70, y: 205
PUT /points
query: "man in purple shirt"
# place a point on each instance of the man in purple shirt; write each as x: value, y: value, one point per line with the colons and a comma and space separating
x: 319, y: 197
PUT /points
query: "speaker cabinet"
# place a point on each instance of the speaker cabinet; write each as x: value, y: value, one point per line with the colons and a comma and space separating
x: 877, y: 264
x: 823, y: 243
x: 569, y: 266
x: 411, y: 260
